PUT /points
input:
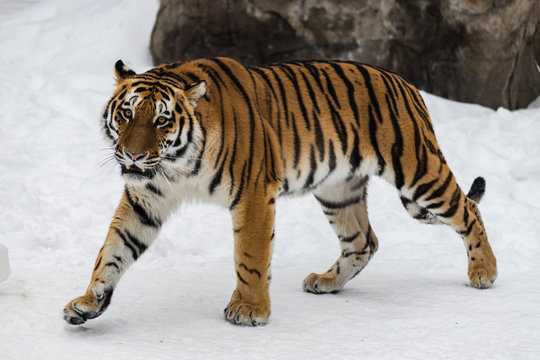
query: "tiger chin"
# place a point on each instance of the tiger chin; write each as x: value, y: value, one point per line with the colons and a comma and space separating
x: 244, y: 136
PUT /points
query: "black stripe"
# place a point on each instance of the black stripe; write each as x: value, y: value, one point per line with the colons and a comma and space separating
x: 251, y: 271
x: 198, y: 161
x: 285, y: 186
x: 442, y: 189
x: 165, y: 96
x: 455, y: 203
x: 314, y: 75
x: 122, y: 94
x: 331, y: 157
x: 240, y: 189
x: 135, y: 241
x: 405, y: 201
x: 270, y: 86
x: 239, y: 277
x: 98, y: 263
x: 421, y: 155
x: 371, y: 91
x: 194, y: 78
x: 341, y: 130
x: 421, y: 166
x: 397, y: 147
x: 312, y: 168
x: 296, y: 143
x: 180, y: 152
x: 369, y: 239
x: 311, y: 92
x: 349, y: 239
x: 144, y: 216
x: 469, y: 229
x: 289, y: 73
x: 154, y: 83
x: 390, y: 90
x: 338, y: 205
x: 216, y: 180
x: 319, y: 137
x: 420, y: 107
x: 223, y: 131
x: 247, y: 100
x: 389, y: 80
x: 153, y: 189
x: 435, y: 205
x: 283, y: 95
x: 422, y: 189
x: 450, y: 212
x: 346, y: 253
x: 127, y: 244
x: 232, y: 161
x: 355, y: 158
x: 330, y: 88
x: 266, y: 79
x: 113, y: 264
x: 272, y: 168
x: 178, y: 139
x: 350, y: 89
x: 374, y: 142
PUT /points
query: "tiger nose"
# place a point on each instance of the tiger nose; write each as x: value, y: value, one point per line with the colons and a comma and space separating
x: 135, y: 155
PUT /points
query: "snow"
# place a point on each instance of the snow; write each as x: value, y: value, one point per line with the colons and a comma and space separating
x: 58, y: 195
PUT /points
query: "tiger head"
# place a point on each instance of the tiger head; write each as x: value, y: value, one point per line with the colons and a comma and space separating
x: 152, y: 125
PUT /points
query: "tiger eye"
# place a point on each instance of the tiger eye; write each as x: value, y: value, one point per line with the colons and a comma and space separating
x: 160, y: 121
x: 128, y: 113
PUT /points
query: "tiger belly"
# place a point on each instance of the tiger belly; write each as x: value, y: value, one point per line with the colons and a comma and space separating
x: 299, y: 182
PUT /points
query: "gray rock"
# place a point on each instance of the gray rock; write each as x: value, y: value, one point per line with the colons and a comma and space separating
x: 480, y: 51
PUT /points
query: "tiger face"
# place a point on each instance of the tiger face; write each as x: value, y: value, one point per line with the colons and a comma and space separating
x: 152, y: 127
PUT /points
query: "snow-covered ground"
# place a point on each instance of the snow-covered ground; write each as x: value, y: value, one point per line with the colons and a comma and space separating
x: 57, y: 198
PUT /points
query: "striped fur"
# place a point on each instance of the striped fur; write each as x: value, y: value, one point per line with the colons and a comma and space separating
x: 241, y: 137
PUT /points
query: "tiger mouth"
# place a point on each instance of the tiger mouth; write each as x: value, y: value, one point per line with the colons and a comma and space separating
x: 135, y: 170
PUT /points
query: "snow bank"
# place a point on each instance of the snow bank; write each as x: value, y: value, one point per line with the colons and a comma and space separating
x: 58, y: 195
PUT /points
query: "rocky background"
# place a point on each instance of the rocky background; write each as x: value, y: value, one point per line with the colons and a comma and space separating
x: 479, y: 51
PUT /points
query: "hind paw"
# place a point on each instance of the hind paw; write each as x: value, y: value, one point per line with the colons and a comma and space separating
x: 322, y: 284
x: 482, y: 276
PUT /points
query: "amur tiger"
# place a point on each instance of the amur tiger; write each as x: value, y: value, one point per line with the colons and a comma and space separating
x: 244, y: 136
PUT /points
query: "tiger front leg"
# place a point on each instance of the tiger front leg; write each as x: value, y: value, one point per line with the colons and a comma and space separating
x: 253, y: 223
x: 135, y: 226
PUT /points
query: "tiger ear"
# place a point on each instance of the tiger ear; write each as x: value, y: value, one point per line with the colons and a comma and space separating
x: 195, y: 92
x: 122, y: 72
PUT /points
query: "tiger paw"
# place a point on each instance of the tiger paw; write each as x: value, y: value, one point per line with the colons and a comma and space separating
x: 89, y: 306
x: 482, y: 274
x: 242, y: 313
x: 322, y: 284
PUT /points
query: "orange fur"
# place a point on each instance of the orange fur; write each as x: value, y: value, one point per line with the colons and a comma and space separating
x: 244, y: 136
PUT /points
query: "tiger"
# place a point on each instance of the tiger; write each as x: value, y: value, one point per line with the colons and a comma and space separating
x: 243, y: 136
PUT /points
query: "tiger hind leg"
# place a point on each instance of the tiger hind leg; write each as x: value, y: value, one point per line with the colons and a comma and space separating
x: 427, y: 217
x: 443, y: 198
x: 345, y: 206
